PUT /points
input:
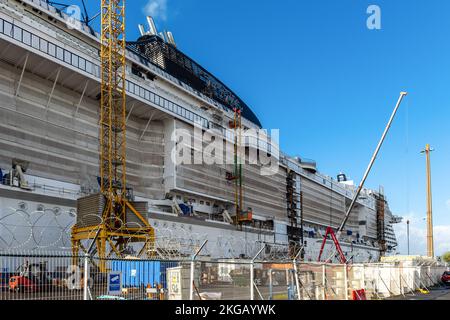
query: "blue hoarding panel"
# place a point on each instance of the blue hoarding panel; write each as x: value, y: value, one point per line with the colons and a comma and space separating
x: 142, y: 273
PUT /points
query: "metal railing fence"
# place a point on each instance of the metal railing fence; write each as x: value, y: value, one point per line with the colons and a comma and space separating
x: 37, y: 275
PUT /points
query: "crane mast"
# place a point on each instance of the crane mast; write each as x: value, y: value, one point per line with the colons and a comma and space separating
x: 113, y: 103
x: 114, y: 232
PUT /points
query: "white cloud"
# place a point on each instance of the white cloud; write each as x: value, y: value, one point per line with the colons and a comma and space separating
x: 418, y: 236
x: 157, y: 9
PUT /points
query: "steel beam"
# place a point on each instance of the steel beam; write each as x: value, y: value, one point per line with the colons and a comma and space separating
x: 21, y: 75
x: 53, y: 88
x: 81, y: 98
x: 146, y: 127
x: 130, y: 112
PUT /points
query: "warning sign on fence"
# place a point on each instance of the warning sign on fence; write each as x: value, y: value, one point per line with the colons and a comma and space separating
x: 114, y: 283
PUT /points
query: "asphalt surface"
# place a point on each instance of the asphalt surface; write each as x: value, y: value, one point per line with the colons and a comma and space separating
x: 441, y: 293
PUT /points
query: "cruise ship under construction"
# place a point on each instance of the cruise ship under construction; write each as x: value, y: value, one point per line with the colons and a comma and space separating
x: 50, y: 89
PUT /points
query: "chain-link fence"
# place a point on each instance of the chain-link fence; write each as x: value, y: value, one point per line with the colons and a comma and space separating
x: 62, y: 276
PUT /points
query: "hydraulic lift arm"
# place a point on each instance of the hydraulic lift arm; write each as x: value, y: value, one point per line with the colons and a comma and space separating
x: 335, y: 237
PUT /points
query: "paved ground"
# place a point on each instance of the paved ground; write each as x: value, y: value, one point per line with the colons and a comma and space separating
x: 435, y: 294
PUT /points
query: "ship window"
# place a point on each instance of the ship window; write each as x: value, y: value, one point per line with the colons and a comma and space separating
x: 59, y: 53
x: 51, y: 48
x: 26, y: 37
x: 35, y: 41
x: 96, y: 70
x: 147, y: 95
x: 67, y: 56
x: 8, y: 28
x: 82, y: 64
x: 202, y: 202
x: 17, y: 33
x: 152, y: 97
x: 1, y: 25
x: 179, y: 197
x: 75, y: 60
x: 44, y: 45
x: 88, y: 66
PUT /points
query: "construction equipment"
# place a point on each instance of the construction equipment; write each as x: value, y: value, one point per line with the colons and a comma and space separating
x: 330, y: 230
x: 115, y: 201
x: 32, y: 277
x: 242, y: 216
x: 430, y: 241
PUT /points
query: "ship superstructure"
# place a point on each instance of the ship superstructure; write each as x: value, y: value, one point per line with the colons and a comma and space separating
x: 49, y: 98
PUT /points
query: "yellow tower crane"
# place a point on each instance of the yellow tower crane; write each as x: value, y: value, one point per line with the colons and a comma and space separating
x: 113, y: 232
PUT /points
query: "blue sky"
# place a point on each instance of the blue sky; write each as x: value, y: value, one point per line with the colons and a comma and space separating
x: 315, y: 71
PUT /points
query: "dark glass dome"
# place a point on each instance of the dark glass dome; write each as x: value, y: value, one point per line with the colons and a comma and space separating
x: 180, y: 66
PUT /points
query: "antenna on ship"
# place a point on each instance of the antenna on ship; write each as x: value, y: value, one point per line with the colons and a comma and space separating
x: 151, y: 24
x: 167, y: 36
x: 141, y: 29
x: 170, y: 38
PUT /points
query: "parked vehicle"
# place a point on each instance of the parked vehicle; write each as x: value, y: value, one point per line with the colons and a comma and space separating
x: 31, y: 278
x: 446, y: 278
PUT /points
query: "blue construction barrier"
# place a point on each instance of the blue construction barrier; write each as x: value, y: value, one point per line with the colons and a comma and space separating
x: 142, y: 273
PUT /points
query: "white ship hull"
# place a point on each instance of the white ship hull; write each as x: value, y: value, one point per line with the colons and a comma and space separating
x: 27, y: 225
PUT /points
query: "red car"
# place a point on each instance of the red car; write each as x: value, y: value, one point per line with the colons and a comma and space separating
x: 446, y: 278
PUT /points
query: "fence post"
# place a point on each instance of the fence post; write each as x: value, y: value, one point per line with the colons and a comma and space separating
x: 324, y: 282
x: 191, y: 286
x: 297, y: 282
x: 363, y: 277
x: 346, y: 286
x: 252, y: 274
x: 431, y: 277
x: 86, y: 276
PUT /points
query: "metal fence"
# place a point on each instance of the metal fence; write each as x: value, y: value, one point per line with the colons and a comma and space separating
x: 62, y: 276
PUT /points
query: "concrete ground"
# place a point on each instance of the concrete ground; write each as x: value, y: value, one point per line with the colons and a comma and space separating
x: 439, y: 293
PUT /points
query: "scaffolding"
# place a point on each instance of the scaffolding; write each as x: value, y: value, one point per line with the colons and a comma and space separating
x: 295, y: 232
x: 242, y: 216
x: 381, y: 228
